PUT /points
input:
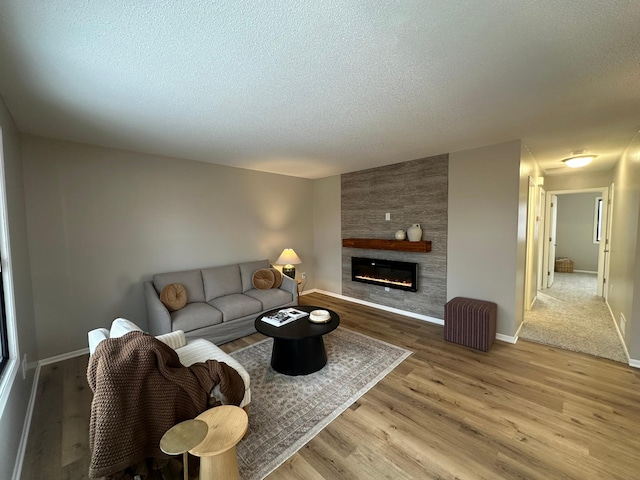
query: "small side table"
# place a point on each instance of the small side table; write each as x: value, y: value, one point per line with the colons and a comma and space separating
x: 181, y: 438
x: 217, y: 452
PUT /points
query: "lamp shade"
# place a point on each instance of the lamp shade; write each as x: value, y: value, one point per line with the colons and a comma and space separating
x: 288, y: 257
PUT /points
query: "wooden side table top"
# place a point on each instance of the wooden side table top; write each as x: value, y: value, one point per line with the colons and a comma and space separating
x: 227, y: 425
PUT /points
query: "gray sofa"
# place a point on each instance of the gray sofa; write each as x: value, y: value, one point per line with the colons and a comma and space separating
x: 222, y: 303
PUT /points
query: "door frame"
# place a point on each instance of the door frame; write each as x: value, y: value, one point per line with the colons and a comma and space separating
x: 533, y: 233
x: 542, y: 202
x: 607, y: 221
x: 601, y: 250
x: 550, y: 224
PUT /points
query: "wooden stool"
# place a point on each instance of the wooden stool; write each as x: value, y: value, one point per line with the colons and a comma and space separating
x: 217, y: 452
x: 181, y: 438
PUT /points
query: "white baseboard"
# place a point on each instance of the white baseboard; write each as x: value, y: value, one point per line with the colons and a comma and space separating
x: 64, y: 356
x: 425, y: 318
x: 620, y: 336
x: 506, y: 338
x: 509, y: 339
x: 634, y: 363
x: 417, y: 316
x: 22, y: 448
x: 437, y: 321
x: 17, y: 471
x: 585, y: 271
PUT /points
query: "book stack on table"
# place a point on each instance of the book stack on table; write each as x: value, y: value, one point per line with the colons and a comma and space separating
x: 284, y: 316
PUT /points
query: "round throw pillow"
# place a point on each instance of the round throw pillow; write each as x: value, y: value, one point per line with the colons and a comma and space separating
x: 278, y: 277
x: 173, y: 296
x: 263, y: 279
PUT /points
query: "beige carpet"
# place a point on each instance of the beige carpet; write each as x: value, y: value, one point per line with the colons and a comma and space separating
x: 286, y: 412
x: 570, y: 315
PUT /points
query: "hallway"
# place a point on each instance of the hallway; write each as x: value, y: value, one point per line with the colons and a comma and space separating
x: 570, y: 315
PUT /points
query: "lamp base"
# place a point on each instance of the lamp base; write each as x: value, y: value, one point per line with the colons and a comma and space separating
x: 289, y: 271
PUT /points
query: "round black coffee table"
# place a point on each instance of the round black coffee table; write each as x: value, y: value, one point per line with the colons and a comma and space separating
x: 298, y: 348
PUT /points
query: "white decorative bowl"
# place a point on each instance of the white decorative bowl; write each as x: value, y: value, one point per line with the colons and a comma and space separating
x: 319, y: 316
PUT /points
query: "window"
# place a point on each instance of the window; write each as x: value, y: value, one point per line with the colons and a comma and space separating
x: 597, y: 221
x: 4, y: 341
x: 8, y: 349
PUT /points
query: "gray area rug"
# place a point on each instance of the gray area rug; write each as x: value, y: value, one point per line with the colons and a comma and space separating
x: 570, y: 315
x: 286, y: 412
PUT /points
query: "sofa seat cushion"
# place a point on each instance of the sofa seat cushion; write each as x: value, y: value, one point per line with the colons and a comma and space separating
x: 221, y: 281
x: 271, y: 298
x: 194, y: 316
x: 236, y: 306
x: 191, y: 280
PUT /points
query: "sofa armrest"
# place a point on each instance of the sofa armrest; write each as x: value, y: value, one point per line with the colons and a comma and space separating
x: 174, y: 339
x: 95, y: 337
x: 157, y: 314
x: 289, y: 285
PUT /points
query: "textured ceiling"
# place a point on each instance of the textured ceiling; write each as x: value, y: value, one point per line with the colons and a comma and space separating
x: 313, y: 89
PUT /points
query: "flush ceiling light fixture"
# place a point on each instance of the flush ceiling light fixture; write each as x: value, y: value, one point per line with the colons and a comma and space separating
x: 578, y: 159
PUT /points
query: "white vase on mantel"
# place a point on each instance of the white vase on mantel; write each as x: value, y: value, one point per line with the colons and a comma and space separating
x: 414, y: 232
x: 400, y: 235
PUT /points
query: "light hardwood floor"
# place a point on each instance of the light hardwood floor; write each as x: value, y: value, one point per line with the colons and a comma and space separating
x: 524, y: 411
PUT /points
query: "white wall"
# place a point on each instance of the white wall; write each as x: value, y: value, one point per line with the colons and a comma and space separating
x: 574, y: 234
x: 485, y: 256
x: 13, y: 414
x: 624, y: 274
x: 529, y: 198
x: 327, y: 234
x: 102, y: 220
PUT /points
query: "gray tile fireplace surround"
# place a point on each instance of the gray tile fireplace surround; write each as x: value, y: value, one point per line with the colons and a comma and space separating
x: 412, y: 192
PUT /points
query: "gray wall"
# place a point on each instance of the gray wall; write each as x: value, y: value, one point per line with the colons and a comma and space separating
x: 102, y: 220
x: 578, y: 181
x: 412, y: 192
x: 13, y: 415
x: 574, y: 234
x: 486, y: 229
x: 326, y: 230
x: 624, y: 274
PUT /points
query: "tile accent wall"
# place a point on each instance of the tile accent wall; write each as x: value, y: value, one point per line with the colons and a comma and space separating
x: 412, y: 192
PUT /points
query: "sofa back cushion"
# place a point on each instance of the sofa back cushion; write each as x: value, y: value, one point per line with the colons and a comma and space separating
x: 191, y: 280
x: 221, y: 281
x: 247, y: 269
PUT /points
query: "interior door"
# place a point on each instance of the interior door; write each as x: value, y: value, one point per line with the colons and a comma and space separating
x: 553, y: 218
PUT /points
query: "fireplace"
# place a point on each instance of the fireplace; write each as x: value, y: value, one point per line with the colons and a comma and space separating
x: 386, y: 273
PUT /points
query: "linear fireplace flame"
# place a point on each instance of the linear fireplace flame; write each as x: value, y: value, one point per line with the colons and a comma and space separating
x: 387, y: 273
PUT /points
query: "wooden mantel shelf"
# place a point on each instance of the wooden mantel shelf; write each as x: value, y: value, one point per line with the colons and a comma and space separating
x: 383, y: 244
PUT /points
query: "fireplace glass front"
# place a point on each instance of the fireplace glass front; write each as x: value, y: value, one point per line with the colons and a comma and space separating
x: 386, y: 273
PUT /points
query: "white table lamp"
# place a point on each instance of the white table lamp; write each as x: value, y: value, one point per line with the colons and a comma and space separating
x: 288, y: 258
